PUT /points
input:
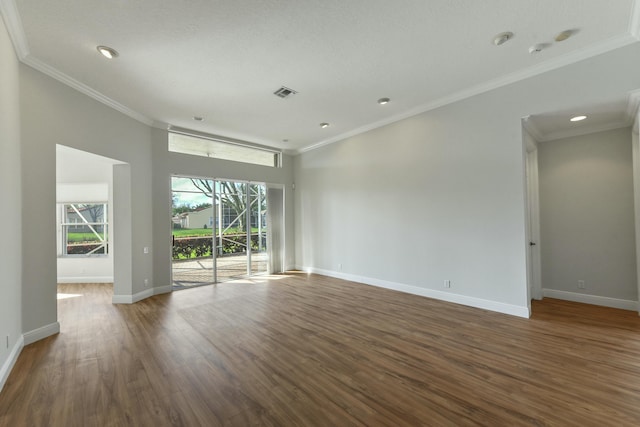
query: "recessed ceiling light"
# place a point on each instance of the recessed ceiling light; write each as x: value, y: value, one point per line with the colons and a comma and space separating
x: 324, y: 125
x: 383, y: 101
x: 577, y: 118
x: 107, y: 52
x: 564, y: 35
x: 502, y: 38
x: 198, y: 118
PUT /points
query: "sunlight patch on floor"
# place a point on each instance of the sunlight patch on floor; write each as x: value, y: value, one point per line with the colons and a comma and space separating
x: 65, y: 296
x: 263, y: 278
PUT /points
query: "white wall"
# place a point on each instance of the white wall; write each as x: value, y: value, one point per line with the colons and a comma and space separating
x: 419, y: 202
x: 10, y: 218
x: 440, y: 196
x: 587, y: 215
x: 58, y: 114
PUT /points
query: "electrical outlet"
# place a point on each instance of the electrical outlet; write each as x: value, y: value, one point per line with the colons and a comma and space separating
x: 146, y: 283
x: 581, y: 284
x: 145, y: 249
x: 447, y: 283
x: 339, y: 266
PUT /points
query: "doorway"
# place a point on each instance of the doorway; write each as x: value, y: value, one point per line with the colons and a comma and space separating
x: 219, y: 230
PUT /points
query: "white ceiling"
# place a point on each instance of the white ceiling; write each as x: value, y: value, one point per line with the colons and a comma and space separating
x: 223, y: 59
x: 611, y: 114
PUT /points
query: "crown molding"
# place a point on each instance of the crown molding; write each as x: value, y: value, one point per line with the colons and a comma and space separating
x: 586, y: 130
x: 11, y: 16
x: 630, y: 119
x: 633, y: 109
x: 160, y: 125
x: 552, y: 64
x: 12, y: 20
x: 533, y: 130
x: 83, y: 88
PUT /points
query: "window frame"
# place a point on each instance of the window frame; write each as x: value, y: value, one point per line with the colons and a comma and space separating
x: 229, y: 143
x: 67, y: 224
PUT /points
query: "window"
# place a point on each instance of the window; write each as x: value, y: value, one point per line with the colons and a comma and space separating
x: 225, y: 150
x: 84, y: 229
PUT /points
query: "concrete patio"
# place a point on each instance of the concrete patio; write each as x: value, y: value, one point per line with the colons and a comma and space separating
x: 198, y: 272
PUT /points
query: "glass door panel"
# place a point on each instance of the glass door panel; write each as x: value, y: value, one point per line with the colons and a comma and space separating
x: 258, y: 203
x: 193, y: 220
x: 232, y: 251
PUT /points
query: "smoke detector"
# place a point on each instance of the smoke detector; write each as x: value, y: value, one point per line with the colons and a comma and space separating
x: 536, y: 48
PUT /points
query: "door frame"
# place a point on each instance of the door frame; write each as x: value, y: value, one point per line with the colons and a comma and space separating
x: 635, y: 151
x: 532, y: 200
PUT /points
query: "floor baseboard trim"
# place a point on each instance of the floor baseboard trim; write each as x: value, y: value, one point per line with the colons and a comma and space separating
x: 514, y: 310
x: 122, y: 299
x: 591, y: 299
x: 41, y: 333
x: 7, y: 366
x: 130, y: 299
x: 162, y: 290
x: 87, y: 279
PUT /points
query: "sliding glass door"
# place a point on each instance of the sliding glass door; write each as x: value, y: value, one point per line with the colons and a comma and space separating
x: 219, y: 230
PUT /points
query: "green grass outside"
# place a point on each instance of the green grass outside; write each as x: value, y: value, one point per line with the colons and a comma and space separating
x: 198, y: 232
x: 83, y: 237
x: 185, y: 232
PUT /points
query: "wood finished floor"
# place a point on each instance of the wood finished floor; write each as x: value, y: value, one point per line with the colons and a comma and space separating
x: 314, y: 351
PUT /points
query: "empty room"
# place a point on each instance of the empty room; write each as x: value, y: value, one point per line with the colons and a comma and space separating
x: 300, y: 213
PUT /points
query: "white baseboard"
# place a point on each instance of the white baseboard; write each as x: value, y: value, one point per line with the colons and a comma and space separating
x: 7, y: 366
x: 592, y: 299
x: 130, y: 299
x: 40, y: 333
x: 162, y: 290
x: 514, y: 310
x: 86, y: 279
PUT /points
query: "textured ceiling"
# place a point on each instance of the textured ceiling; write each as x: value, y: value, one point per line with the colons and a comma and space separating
x: 222, y: 60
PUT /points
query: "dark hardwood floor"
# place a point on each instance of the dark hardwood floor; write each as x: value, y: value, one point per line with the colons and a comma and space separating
x: 301, y: 350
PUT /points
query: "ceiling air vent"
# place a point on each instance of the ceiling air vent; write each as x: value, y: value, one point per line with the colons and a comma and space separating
x: 284, y: 92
